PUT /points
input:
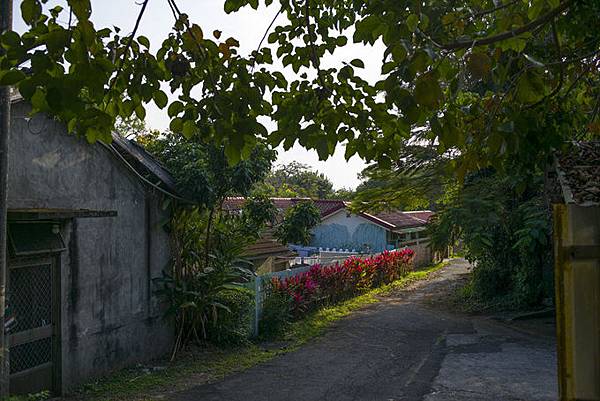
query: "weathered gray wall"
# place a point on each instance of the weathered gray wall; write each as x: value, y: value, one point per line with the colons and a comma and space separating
x: 110, y: 315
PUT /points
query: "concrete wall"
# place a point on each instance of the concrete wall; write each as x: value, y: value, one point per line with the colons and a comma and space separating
x: 341, y: 230
x: 110, y: 315
x: 424, y: 256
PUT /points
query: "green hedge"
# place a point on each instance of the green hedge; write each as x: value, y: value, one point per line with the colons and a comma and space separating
x: 234, y: 326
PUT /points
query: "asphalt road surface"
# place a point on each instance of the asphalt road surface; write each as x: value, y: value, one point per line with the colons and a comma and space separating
x: 407, y: 347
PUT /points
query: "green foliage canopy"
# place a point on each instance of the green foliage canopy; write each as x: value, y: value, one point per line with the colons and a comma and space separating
x: 490, y: 81
x: 89, y: 76
x: 203, y: 172
x: 505, y: 231
x: 416, y: 181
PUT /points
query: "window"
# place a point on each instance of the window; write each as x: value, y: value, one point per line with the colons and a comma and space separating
x: 35, y: 238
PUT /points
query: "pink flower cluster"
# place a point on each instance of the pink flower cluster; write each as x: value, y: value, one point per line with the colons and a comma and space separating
x: 330, y: 284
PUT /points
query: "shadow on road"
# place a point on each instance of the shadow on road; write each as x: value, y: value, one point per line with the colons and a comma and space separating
x: 406, y: 347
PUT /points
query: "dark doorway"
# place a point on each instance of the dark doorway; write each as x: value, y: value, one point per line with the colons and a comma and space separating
x: 33, y: 307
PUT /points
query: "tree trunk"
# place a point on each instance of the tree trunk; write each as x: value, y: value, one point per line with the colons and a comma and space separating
x: 211, y: 216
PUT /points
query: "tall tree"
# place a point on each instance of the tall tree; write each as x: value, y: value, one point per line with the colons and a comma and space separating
x: 205, y: 176
x: 206, y: 241
x: 415, y: 181
x: 297, y: 223
x: 297, y: 180
x: 203, y: 173
x: 345, y: 194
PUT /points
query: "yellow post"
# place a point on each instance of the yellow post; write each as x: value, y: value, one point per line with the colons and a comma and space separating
x: 577, y: 278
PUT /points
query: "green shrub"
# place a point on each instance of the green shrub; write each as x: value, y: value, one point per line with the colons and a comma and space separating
x: 491, y: 277
x: 504, y: 227
x: 291, y: 298
x: 277, y: 312
x: 233, y: 326
x: 194, y: 287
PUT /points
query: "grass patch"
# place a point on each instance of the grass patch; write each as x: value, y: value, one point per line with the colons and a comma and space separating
x: 208, y: 364
x: 195, y: 365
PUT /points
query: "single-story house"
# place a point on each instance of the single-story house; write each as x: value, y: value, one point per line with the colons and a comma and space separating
x: 368, y: 232
x: 361, y: 232
x: 85, y: 242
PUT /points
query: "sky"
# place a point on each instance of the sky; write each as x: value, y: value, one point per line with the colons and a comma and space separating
x: 247, y: 26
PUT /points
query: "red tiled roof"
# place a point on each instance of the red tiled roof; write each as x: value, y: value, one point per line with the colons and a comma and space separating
x: 391, y: 220
x: 377, y: 220
x: 397, y: 219
x: 327, y: 206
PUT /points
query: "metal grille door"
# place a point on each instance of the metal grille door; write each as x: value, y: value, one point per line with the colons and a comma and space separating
x: 31, y: 339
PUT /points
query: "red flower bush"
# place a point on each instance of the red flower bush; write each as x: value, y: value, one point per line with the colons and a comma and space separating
x: 330, y: 284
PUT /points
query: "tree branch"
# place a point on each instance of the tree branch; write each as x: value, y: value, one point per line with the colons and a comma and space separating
x: 177, y: 14
x: 315, y: 58
x: 544, y: 19
x: 267, y: 31
x: 511, y: 86
x: 493, y: 10
x: 575, y: 59
x: 595, y: 111
x: 70, y: 25
x: 575, y: 81
x: 128, y: 45
x: 562, y: 70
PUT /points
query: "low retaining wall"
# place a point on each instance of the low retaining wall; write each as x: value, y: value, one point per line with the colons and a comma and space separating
x: 423, y: 254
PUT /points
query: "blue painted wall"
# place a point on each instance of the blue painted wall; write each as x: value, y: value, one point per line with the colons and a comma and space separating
x: 349, y: 232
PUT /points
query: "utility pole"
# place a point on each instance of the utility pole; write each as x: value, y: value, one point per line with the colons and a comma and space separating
x: 5, y: 25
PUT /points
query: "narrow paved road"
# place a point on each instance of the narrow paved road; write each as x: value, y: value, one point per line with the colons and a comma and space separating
x: 404, y: 348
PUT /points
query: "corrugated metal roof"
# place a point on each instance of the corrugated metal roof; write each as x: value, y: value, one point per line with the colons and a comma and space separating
x: 143, y: 160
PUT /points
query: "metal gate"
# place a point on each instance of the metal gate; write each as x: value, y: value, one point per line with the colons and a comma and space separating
x: 32, y: 338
